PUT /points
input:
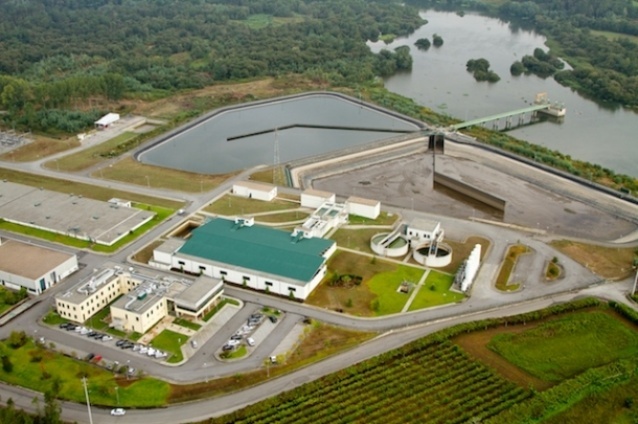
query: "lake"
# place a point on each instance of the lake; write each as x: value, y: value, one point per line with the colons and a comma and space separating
x: 439, y: 80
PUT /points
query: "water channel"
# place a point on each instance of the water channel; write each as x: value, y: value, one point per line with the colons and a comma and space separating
x: 438, y: 80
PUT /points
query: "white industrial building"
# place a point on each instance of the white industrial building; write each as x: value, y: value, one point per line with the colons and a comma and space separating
x: 107, y: 120
x: 421, y: 230
x: 366, y: 208
x: 311, y: 198
x: 255, y: 256
x: 33, y: 267
x: 253, y: 190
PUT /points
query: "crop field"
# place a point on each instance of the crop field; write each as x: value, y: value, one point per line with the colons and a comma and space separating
x: 435, y: 383
x: 562, y: 348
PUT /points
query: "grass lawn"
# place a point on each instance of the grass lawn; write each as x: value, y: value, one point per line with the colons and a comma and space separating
x: 380, y: 280
x: 608, y: 262
x: 187, y: 324
x: 615, y: 35
x: 356, y: 239
x: 564, y: 347
x: 435, y: 291
x: 91, y: 156
x: 53, y: 318
x: 283, y: 216
x: 86, y: 190
x: 384, y: 218
x: 40, y: 147
x: 218, y: 307
x: 385, y: 286
x: 235, y: 205
x: 37, y: 369
x: 461, y: 251
x: 511, y: 256
x: 131, y: 171
x: 240, y: 352
x: 170, y: 342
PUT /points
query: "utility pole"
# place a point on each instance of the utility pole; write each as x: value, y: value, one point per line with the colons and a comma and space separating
x: 88, y: 404
x: 633, y: 290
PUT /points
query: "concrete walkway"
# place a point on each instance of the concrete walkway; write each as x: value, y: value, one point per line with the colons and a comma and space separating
x: 415, y: 291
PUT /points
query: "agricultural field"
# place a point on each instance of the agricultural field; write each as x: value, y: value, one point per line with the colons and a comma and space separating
x: 435, y: 383
x: 567, y: 346
x: 436, y: 380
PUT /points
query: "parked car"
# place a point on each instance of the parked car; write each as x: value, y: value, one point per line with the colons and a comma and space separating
x: 272, y: 319
x: 193, y: 344
x: 106, y: 338
x: 227, y: 347
x: 91, y: 333
x: 130, y: 371
x: 90, y: 356
x: 118, y: 412
x: 120, y: 342
x: 97, y: 358
x: 250, y: 341
x: 232, y: 342
x: 236, y: 337
x: 150, y: 352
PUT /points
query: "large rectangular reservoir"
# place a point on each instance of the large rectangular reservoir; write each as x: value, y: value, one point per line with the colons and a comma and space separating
x: 245, y: 136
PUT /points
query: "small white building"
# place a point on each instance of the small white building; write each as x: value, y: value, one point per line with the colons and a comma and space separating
x: 33, y: 267
x: 311, y: 198
x: 421, y: 230
x: 253, y: 190
x: 366, y: 208
x: 120, y: 203
x: 107, y: 120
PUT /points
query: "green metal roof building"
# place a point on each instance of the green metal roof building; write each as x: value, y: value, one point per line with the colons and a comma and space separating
x: 257, y: 256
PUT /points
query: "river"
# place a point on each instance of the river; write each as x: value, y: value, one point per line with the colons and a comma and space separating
x: 438, y: 80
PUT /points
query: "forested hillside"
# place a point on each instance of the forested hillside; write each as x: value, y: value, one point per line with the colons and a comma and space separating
x: 59, y: 54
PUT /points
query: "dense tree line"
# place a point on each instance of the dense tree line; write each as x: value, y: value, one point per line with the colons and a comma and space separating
x: 63, y: 54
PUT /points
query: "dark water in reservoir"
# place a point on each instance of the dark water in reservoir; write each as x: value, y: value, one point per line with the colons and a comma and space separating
x: 439, y: 81
x: 205, y: 149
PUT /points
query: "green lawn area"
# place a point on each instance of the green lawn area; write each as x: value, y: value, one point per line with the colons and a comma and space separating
x: 385, y: 285
x: 509, y: 262
x: 283, y: 216
x: 435, y: 291
x: 91, y: 156
x: 186, y: 323
x: 240, y: 352
x: 218, y: 307
x: 384, y: 218
x: 356, y: 239
x: 170, y: 342
x: 564, y: 347
x: 234, y: 205
x: 37, y: 369
x: 9, y: 298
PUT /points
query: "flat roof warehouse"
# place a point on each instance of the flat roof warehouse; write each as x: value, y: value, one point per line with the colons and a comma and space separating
x: 67, y: 214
